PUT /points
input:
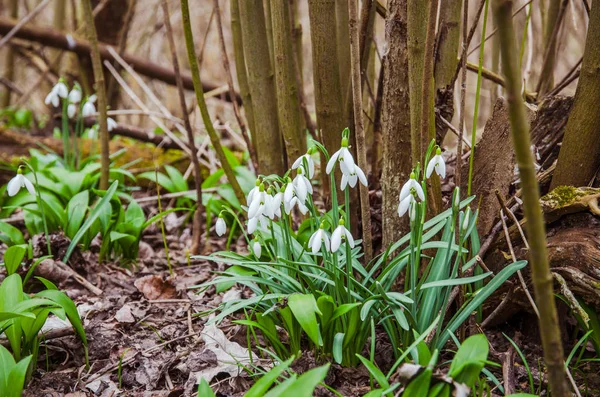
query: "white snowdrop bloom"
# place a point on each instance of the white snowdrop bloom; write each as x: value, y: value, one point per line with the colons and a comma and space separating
x: 19, y: 181
x: 252, y: 192
x: 89, y: 109
x: 60, y: 90
x: 438, y: 164
x: 256, y: 249
x: 465, y: 224
x: 302, y: 186
x: 257, y: 207
x: 406, y: 204
x: 412, y: 187
x: 309, y: 161
x: 339, y: 234
x: 344, y: 157
x: 220, y: 227
x: 254, y: 223
x: 111, y: 124
x: 318, y: 239
x: 352, y: 178
x: 274, y: 205
x: 75, y: 94
x: 71, y: 110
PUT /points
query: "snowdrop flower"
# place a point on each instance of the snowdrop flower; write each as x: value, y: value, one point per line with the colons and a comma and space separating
x: 437, y: 163
x: 255, y: 223
x: 19, y: 181
x: 406, y: 204
x: 309, y: 161
x: 75, y: 94
x: 89, y: 109
x: 465, y: 224
x: 252, y: 192
x: 412, y: 187
x: 344, y: 157
x: 341, y: 233
x: 60, y: 90
x: 111, y: 124
x: 220, y: 227
x: 353, y: 177
x: 71, y: 110
x: 259, y: 200
x: 273, y: 208
x: 318, y: 239
x: 302, y: 185
x: 256, y: 249
x: 295, y: 201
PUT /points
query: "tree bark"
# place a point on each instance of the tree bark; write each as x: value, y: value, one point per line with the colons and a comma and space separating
x: 100, y: 92
x: 579, y: 157
x: 343, y: 46
x: 328, y: 94
x: 541, y: 275
x: 285, y: 76
x: 554, y: 18
x: 269, y: 148
x: 395, y: 116
x: 417, y: 31
x: 9, y: 62
x: 448, y: 42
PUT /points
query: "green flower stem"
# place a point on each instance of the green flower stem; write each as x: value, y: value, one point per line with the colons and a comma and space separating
x: 65, y: 132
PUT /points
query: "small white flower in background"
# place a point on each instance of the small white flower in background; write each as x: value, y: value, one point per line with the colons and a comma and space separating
x: 75, y: 94
x: 344, y: 157
x: 465, y: 224
x: 318, y: 239
x: 111, y: 124
x: 220, y: 227
x: 252, y: 192
x: 19, y: 181
x: 60, y: 90
x: 353, y: 177
x: 406, y: 204
x: 309, y: 161
x: 71, y: 110
x: 256, y: 249
x: 302, y: 186
x: 438, y: 164
x: 89, y: 109
x: 339, y: 234
x: 412, y: 187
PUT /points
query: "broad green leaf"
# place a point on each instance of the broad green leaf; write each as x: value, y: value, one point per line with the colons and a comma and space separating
x: 305, y: 385
x: 10, y: 235
x: 469, y: 360
x: 304, y: 307
x: 179, y: 182
x: 419, y: 386
x: 204, y: 389
x: 375, y: 372
x: 264, y: 383
x: 13, y: 257
x: 16, y: 377
x: 338, y: 347
x: 76, y: 210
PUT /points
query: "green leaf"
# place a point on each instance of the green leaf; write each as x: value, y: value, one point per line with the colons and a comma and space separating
x: 161, y: 178
x: 70, y: 309
x: 281, y: 389
x: 264, y: 383
x: 179, y: 182
x: 10, y: 235
x: 375, y: 372
x: 469, y: 360
x: 419, y: 386
x: 456, y: 281
x: 204, y: 389
x: 94, y: 214
x: 13, y: 257
x: 304, y: 307
x: 338, y: 347
x: 16, y: 377
x: 305, y: 385
x: 76, y: 210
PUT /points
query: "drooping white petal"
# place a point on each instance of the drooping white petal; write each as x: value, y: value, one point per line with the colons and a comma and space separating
x: 336, y: 238
x: 352, y: 179
x: 220, y: 227
x: 62, y: 90
x: 257, y: 249
x: 55, y: 101
x: 300, y: 188
x: 332, y: 161
x: 344, y: 181
x: 303, y: 208
x: 419, y: 191
x: 92, y: 98
x: 88, y: 109
x: 252, y: 224
x: 438, y: 164
x: 311, y: 166
x: 347, y: 162
x: 71, y: 109
x: 440, y: 168
x: 431, y: 166
x: 251, y: 194
x: 317, y: 241
x: 14, y: 185
x: 405, y: 204
x: 405, y: 191
x: 75, y: 95
x: 349, y: 237
x: 111, y: 124
x: 361, y: 175
x: 49, y: 98
x: 27, y: 183
x: 298, y: 162
x: 326, y: 241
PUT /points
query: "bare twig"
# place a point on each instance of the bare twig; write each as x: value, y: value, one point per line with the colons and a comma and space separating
x: 23, y: 21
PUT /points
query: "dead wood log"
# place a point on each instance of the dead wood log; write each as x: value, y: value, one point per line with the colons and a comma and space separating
x: 52, y: 38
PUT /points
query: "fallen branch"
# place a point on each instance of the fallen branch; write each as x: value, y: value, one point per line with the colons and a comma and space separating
x: 51, y: 38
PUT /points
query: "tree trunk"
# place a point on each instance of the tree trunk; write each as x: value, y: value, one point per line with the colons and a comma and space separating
x: 417, y: 30
x: 269, y: 148
x: 269, y: 28
x: 285, y: 76
x: 328, y: 94
x: 553, y: 20
x: 240, y: 67
x: 343, y: 46
x: 397, y: 164
x: 9, y: 62
x: 579, y: 157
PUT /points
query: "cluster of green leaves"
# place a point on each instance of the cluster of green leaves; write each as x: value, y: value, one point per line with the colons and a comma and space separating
x: 22, y: 317
x: 465, y: 370
x: 72, y: 203
x: 333, y: 299
x: 16, y: 118
x: 275, y: 383
x: 12, y: 373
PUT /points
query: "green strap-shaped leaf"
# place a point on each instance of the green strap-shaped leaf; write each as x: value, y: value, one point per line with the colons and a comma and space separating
x: 305, y: 310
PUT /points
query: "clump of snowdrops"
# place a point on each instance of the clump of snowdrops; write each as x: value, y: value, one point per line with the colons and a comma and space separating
x: 317, y: 286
